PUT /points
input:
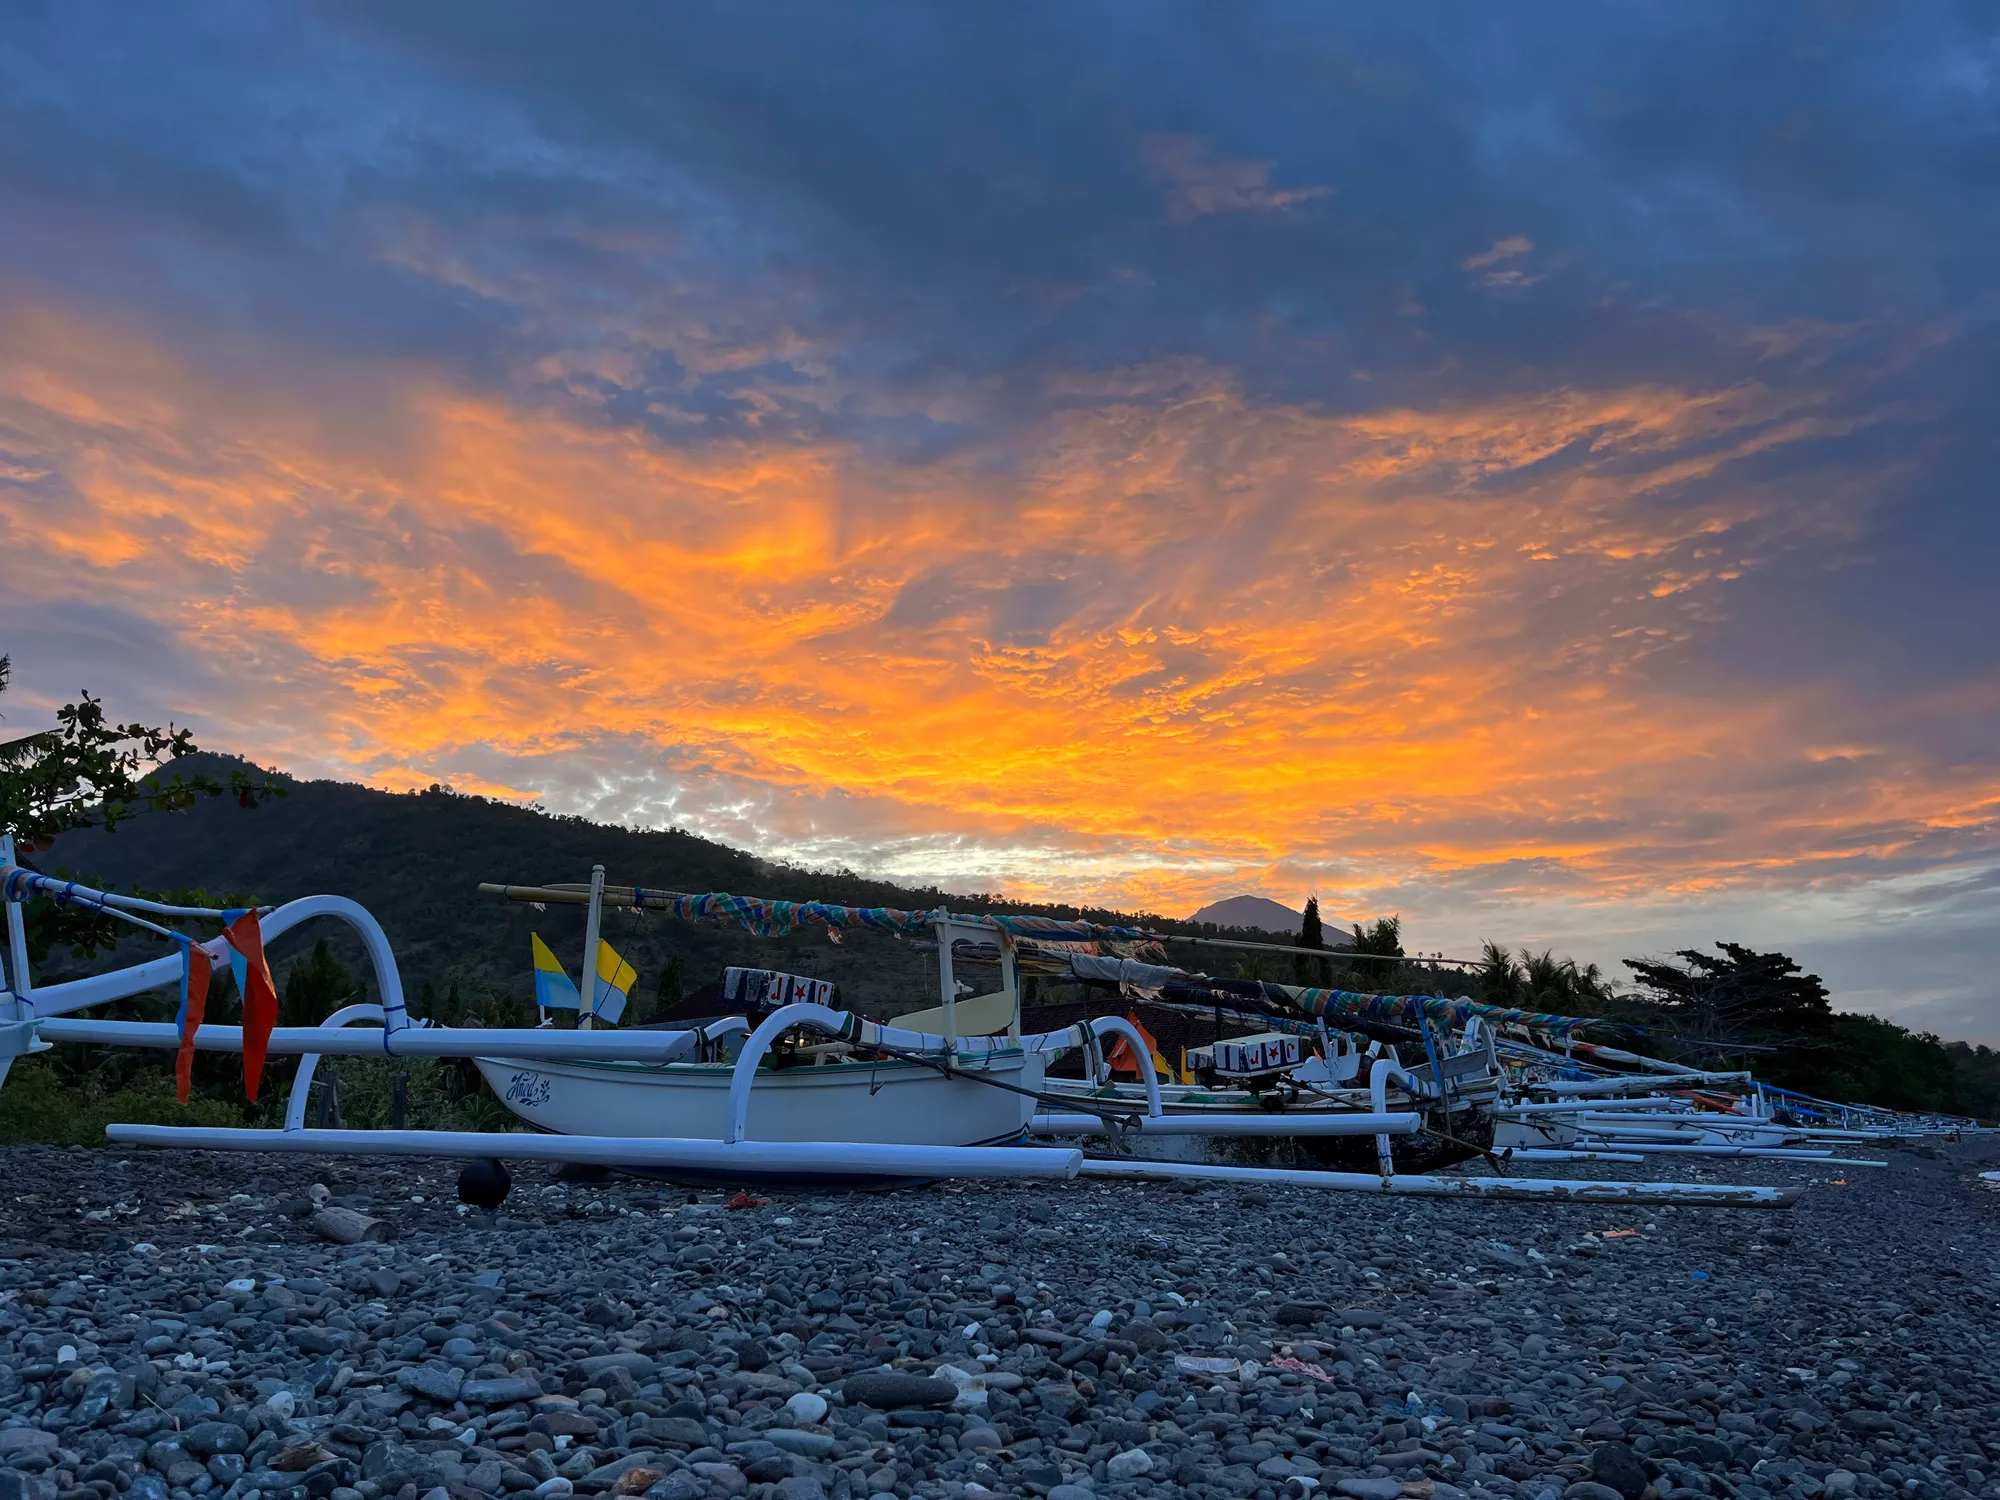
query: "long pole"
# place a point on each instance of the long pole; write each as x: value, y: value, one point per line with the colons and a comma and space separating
x: 576, y: 895
x: 1561, y: 1190
x: 593, y: 924
x: 738, y: 1161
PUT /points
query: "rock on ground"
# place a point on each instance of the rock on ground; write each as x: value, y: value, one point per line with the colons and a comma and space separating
x: 172, y: 1327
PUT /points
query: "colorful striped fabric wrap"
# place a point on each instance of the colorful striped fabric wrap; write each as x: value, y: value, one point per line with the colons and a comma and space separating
x: 775, y: 918
x: 1059, y: 930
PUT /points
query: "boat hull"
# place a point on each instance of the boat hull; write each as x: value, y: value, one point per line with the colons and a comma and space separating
x: 889, y: 1103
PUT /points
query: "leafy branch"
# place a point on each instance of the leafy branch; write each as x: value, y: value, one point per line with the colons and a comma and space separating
x: 89, y: 772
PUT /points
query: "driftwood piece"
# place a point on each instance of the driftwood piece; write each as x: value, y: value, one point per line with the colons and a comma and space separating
x: 347, y: 1226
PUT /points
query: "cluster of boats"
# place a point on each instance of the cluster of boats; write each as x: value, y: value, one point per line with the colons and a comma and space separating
x: 1255, y: 1081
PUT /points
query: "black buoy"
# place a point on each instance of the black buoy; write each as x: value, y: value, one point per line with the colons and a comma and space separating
x: 485, y: 1183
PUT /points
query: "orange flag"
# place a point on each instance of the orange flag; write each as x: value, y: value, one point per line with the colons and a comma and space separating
x: 194, y: 1001
x: 260, y: 998
x: 1120, y: 1058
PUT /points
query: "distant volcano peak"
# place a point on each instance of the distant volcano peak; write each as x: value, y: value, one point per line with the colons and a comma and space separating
x: 1260, y: 912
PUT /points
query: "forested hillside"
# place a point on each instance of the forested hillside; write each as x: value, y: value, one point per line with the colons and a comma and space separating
x: 416, y: 860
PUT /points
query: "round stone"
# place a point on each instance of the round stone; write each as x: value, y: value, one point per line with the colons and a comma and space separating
x: 807, y: 1407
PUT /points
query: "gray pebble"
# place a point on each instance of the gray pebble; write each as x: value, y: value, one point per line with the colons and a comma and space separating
x: 806, y: 1444
x: 1617, y: 1467
x: 710, y: 1348
x: 889, y: 1390
x: 210, y: 1438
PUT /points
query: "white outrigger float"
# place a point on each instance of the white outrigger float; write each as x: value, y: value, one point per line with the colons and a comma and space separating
x: 741, y: 1100
x: 1579, y: 1105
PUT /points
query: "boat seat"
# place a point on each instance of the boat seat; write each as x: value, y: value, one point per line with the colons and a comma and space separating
x: 982, y: 1015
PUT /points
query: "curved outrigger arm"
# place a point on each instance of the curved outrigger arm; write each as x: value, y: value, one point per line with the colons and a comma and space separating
x: 49, y: 1010
x: 848, y: 1027
x: 80, y: 994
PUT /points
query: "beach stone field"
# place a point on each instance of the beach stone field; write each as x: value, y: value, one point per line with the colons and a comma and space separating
x: 173, y: 1325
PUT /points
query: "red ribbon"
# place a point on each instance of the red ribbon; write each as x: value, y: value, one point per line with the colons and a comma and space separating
x: 194, y: 975
x: 260, y: 999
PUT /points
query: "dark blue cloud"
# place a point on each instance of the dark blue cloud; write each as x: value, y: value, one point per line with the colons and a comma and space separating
x: 987, y: 171
x: 941, y: 196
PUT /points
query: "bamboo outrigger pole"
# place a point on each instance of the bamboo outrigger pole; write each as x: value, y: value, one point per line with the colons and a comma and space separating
x: 564, y: 893
x: 1334, y: 955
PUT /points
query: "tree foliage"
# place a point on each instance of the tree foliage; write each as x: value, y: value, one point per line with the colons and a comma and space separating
x: 316, y: 986
x: 671, y: 987
x: 1743, y: 995
x: 1383, y: 936
x: 88, y: 772
x: 1541, y: 981
x: 1312, y: 937
x: 1779, y: 1021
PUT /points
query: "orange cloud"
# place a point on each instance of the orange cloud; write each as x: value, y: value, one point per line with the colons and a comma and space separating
x: 1187, y: 641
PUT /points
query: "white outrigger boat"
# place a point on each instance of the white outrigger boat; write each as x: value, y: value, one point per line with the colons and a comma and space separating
x: 1581, y: 1105
x: 880, y: 1082
x: 806, y: 1094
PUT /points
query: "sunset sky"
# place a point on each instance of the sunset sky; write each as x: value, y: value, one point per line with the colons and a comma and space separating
x: 1527, y: 468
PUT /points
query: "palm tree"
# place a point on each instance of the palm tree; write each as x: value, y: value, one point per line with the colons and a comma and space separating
x: 1499, y: 976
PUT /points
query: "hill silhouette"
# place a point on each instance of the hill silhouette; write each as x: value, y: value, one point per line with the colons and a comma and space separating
x: 415, y: 860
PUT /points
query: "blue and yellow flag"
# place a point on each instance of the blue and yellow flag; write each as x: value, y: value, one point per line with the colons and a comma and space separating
x: 614, y: 983
x: 554, y: 989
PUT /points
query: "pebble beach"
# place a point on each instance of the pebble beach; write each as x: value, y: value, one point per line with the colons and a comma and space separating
x: 172, y: 1326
